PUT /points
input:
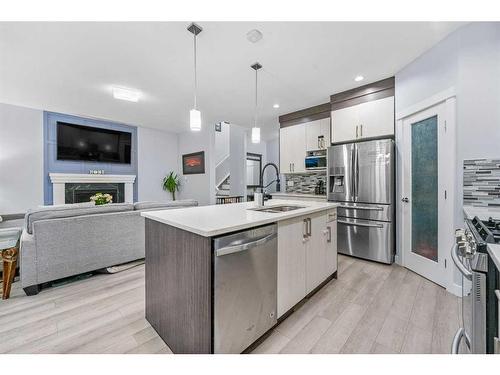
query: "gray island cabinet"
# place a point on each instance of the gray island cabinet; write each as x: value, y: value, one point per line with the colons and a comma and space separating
x: 218, y: 278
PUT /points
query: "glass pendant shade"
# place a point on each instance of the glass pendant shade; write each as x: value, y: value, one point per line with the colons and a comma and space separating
x: 195, y: 120
x: 255, y: 135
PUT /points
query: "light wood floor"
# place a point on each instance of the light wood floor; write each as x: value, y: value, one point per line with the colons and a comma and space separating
x: 371, y: 308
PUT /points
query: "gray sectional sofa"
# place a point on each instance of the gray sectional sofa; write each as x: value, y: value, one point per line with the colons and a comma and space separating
x: 67, y: 240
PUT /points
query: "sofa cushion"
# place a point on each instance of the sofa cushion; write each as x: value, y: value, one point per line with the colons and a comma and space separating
x: 70, y: 210
x: 150, y: 205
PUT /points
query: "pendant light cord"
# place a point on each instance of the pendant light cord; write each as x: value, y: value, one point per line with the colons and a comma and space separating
x: 256, y: 83
x: 195, y: 75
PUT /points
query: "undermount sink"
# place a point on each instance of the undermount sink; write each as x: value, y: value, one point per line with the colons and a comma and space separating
x: 277, y: 209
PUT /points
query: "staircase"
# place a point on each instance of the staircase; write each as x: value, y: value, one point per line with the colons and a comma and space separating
x: 224, y: 188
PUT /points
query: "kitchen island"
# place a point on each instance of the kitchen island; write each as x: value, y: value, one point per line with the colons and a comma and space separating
x: 211, y: 269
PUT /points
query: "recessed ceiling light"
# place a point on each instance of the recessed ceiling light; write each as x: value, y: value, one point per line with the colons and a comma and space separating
x: 359, y: 78
x: 124, y: 93
x: 276, y: 105
x: 254, y: 36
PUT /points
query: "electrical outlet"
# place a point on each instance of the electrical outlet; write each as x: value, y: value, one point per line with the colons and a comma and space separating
x: 289, y: 183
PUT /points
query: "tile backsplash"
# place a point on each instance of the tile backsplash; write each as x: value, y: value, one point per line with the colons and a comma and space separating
x: 482, y: 182
x: 305, y: 183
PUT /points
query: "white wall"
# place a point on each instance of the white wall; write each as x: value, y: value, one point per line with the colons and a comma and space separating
x: 21, y: 158
x: 157, y: 156
x: 221, y: 149
x: 198, y: 186
x: 270, y: 154
x: 273, y: 156
x: 237, y: 161
x: 468, y: 60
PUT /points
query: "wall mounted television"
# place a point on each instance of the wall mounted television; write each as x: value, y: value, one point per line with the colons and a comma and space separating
x: 85, y: 143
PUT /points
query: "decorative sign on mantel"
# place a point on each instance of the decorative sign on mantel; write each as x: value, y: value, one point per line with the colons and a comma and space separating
x: 96, y: 171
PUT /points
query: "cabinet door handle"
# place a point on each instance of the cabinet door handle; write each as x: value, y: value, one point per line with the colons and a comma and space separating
x: 304, y: 229
x: 361, y: 130
x: 319, y: 143
x: 356, y: 131
x: 329, y: 239
x: 309, y: 226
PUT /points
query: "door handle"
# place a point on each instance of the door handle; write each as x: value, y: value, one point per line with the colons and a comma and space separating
x: 405, y: 200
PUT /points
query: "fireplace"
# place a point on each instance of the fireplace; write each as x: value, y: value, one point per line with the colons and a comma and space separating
x: 75, y: 188
x: 81, y: 192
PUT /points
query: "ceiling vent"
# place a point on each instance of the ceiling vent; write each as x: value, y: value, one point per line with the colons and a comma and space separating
x: 254, y: 36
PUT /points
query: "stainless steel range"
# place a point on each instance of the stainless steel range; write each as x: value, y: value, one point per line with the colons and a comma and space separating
x: 479, y: 302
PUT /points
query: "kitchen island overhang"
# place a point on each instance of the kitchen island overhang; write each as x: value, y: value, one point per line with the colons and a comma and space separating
x: 180, y: 265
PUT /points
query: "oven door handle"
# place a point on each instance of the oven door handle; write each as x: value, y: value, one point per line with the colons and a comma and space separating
x: 457, y: 339
x: 463, y: 270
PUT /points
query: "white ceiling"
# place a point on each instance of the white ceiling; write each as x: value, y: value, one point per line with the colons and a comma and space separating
x: 70, y: 67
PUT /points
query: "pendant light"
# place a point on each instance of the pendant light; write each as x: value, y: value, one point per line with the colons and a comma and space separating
x: 256, y: 129
x: 195, y: 114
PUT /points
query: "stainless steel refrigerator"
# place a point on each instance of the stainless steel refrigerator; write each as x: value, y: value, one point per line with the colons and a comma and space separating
x: 361, y: 180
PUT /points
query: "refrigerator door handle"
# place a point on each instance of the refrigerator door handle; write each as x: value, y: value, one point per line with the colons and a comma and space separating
x: 353, y: 177
x: 356, y: 189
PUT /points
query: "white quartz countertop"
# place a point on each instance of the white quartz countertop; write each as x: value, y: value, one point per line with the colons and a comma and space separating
x: 484, y: 213
x: 214, y: 220
x: 298, y: 195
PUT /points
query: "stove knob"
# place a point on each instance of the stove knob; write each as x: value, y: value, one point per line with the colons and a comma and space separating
x: 460, y: 236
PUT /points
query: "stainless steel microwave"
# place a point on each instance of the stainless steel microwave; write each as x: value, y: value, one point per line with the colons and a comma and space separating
x: 315, y: 162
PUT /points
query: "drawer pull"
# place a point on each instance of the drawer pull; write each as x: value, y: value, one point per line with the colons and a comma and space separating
x: 360, y: 224
x: 377, y: 208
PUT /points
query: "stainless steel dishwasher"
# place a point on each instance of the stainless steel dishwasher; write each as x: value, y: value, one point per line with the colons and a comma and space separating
x: 245, y: 281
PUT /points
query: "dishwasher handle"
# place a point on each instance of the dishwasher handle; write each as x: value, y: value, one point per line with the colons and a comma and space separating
x: 245, y: 246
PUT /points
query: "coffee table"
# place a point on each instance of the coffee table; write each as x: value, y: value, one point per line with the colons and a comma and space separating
x: 9, y: 249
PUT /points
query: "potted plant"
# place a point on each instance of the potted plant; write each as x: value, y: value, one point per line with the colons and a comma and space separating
x: 171, y: 183
x: 100, y: 198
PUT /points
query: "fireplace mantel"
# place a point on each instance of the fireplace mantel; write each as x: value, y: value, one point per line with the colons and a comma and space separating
x: 59, y: 180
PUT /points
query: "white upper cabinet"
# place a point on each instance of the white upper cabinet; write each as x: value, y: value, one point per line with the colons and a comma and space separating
x: 376, y: 118
x: 344, y: 124
x: 317, y: 134
x: 293, y: 149
x: 365, y: 120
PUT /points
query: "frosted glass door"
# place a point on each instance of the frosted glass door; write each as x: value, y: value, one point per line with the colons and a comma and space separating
x: 424, y: 188
x: 426, y: 202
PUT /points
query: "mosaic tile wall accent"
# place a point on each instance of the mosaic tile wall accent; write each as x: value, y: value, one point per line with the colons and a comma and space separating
x: 305, y: 183
x: 482, y: 182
